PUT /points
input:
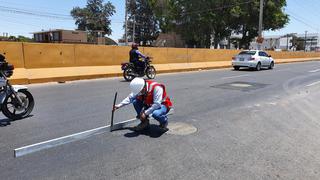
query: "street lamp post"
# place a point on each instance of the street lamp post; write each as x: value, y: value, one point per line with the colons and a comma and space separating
x: 287, y: 42
x: 134, y: 28
x: 260, y: 23
x: 126, y: 23
x: 305, y: 41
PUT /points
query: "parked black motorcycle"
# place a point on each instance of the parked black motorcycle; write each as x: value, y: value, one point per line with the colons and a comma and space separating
x: 16, y: 101
x: 130, y: 71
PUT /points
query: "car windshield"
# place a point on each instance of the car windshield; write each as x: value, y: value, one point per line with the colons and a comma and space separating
x: 247, y: 53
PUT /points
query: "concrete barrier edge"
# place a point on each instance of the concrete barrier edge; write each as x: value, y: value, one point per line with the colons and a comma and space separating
x: 41, y: 75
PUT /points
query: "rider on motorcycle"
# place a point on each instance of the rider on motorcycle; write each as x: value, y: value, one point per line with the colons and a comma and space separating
x: 135, y: 54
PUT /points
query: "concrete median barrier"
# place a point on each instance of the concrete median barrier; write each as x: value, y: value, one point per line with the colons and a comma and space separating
x: 13, y: 52
x: 48, y: 55
x: 38, y: 63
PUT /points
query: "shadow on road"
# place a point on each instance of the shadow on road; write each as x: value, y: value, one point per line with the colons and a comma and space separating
x: 7, y: 122
x: 153, y: 131
x: 250, y: 69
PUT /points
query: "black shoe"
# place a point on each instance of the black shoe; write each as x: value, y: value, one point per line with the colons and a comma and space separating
x: 142, y: 126
x: 164, y: 126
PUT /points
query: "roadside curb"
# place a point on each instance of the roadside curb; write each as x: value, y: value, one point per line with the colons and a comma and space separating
x: 31, y: 76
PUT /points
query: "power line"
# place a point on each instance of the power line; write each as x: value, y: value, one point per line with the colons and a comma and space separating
x: 304, y: 7
x: 18, y: 21
x: 24, y: 5
x: 291, y: 14
x: 33, y: 19
x: 303, y: 22
x: 34, y: 13
x: 312, y: 8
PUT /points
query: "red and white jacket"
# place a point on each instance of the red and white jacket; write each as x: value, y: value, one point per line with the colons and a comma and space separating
x: 155, y: 96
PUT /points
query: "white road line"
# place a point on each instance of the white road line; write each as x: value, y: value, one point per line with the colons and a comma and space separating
x: 73, y: 137
x: 313, y: 71
x: 230, y: 77
x: 279, y: 70
x: 312, y: 84
x: 67, y: 139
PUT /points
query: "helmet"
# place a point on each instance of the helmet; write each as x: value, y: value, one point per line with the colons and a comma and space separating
x: 134, y: 45
x: 136, y: 85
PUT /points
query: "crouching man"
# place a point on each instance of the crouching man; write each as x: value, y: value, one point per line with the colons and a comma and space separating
x: 148, y: 98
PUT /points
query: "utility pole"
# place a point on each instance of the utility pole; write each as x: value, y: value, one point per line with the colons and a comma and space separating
x: 134, y: 28
x: 305, y: 41
x: 287, y: 42
x: 126, y: 23
x: 260, y: 23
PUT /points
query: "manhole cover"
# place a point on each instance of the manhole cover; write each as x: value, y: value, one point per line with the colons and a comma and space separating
x: 180, y: 128
x: 240, y: 85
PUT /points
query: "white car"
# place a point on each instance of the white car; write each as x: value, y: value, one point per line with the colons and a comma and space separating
x: 252, y: 59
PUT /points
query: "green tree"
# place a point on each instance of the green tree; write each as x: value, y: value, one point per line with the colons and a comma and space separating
x: 24, y: 39
x: 201, y: 22
x: 165, y: 12
x: 245, y: 18
x: 12, y: 38
x: 94, y: 17
x: 142, y: 21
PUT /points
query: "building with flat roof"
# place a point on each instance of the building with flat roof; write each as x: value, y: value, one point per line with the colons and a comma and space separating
x: 61, y: 36
x: 309, y: 42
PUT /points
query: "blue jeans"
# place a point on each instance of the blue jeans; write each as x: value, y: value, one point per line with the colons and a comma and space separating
x: 160, y: 114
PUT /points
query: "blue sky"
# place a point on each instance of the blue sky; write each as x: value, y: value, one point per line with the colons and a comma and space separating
x: 304, y: 16
x: 21, y: 24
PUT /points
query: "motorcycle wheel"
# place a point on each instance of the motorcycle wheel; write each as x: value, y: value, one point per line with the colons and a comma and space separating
x: 13, y: 111
x: 128, y: 74
x: 151, y: 72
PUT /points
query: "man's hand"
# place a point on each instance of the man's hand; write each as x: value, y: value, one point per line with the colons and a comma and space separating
x: 115, y: 107
x: 143, y: 116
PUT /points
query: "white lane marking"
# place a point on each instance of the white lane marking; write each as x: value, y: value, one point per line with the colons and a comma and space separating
x: 241, y: 85
x: 312, y: 84
x: 313, y: 71
x: 272, y: 103
x: 286, y: 69
x: 66, y: 139
x: 73, y: 137
x: 230, y: 77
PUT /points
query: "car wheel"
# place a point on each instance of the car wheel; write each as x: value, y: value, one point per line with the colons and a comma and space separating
x: 258, y: 67
x: 271, y: 65
x: 236, y: 67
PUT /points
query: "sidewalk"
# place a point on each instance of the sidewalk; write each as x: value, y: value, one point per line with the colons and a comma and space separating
x: 42, y: 75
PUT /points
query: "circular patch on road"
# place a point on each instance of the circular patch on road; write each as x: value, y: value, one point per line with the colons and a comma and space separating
x: 241, y: 85
x: 180, y: 128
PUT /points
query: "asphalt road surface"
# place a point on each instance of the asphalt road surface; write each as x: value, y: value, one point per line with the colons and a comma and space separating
x: 250, y: 125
